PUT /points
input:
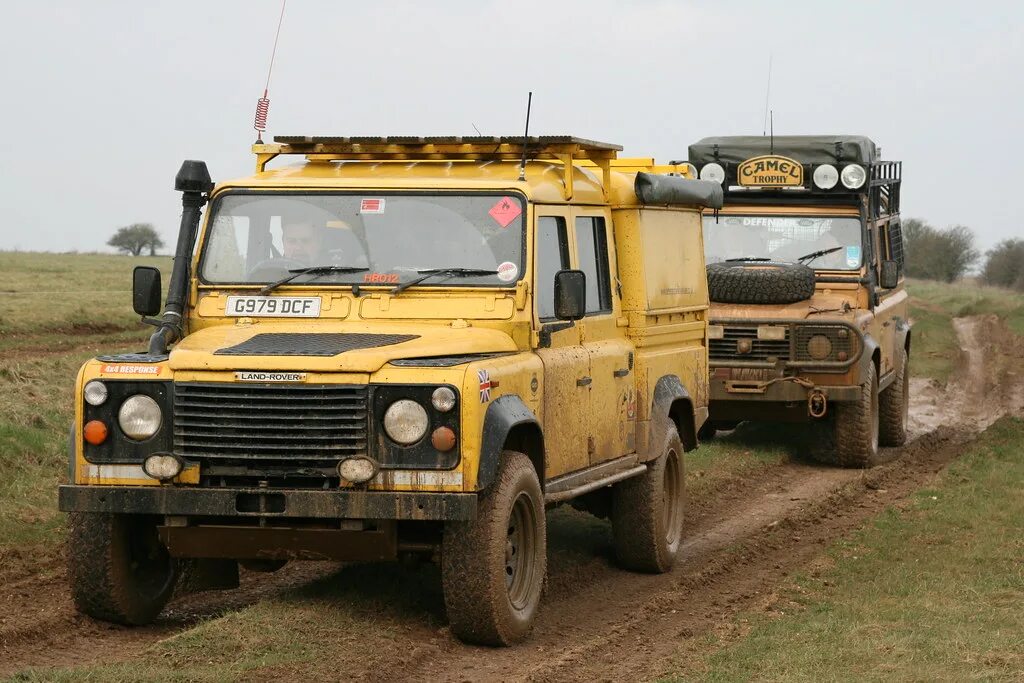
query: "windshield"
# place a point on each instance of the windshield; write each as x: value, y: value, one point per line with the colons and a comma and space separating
x: 386, y: 239
x: 784, y: 238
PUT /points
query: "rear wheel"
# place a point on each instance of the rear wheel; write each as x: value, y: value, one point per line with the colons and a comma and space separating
x: 118, y: 569
x: 492, y: 568
x: 894, y: 405
x: 647, y: 512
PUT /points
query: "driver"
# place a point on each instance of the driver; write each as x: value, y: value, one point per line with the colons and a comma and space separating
x: 302, y: 241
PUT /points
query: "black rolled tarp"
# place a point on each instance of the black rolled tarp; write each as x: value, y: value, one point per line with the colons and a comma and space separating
x: 652, y: 188
x: 807, y: 149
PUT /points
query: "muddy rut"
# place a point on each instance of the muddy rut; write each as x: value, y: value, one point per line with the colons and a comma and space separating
x: 597, y: 622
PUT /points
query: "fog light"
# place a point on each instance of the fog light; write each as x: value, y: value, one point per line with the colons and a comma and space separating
x: 357, y: 470
x: 95, y: 432
x: 443, y: 439
x: 716, y: 332
x: 771, y: 332
x: 95, y: 393
x: 826, y: 176
x: 713, y: 172
x: 162, y: 466
x: 819, y: 347
x: 443, y: 399
x: 853, y: 176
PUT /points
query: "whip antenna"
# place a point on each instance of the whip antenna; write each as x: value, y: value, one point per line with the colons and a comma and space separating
x: 263, y: 104
x: 767, y: 93
x: 526, y: 137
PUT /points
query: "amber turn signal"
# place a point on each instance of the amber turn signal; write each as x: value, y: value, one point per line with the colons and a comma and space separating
x: 443, y: 439
x: 95, y: 432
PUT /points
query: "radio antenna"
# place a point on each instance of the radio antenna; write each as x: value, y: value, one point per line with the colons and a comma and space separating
x: 263, y: 104
x: 771, y: 122
x: 767, y: 93
x: 526, y: 136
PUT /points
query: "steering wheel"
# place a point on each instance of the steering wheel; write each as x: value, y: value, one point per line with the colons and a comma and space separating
x: 272, y: 269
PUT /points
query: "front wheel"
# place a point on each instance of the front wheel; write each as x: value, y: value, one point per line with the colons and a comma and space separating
x: 894, y: 405
x: 492, y: 568
x: 118, y: 568
x: 647, y: 512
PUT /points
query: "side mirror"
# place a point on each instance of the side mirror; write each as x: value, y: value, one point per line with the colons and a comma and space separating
x: 570, y: 294
x: 889, y: 276
x: 146, y: 290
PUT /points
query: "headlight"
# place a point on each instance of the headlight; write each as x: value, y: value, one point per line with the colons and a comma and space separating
x: 853, y: 176
x: 95, y: 393
x: 443, y: 399
x: 819, y: 347
x: 826, y: 176
x: 139, y: 417
x: 713, y: 172
x: 162, y: 466
x: 405, y: 421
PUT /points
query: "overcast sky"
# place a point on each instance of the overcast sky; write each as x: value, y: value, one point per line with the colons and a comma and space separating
x: 101, y: 101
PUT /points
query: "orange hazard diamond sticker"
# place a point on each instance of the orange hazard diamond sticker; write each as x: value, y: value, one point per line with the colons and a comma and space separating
x: 505, y: 211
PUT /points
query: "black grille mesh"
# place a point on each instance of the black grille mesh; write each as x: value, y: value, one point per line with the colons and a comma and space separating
x: 761, y: 350
x: 269, y: 423
x: 311, y: 344
x: 840, y: 338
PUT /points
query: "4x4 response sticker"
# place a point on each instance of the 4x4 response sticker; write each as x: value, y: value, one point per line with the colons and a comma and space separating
x: 505, y: 211
x: 132, y: 369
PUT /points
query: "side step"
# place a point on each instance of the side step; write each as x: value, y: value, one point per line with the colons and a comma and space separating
x: 575, y: 484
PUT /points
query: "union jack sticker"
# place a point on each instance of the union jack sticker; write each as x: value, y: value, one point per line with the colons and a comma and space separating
x: 485, y: 385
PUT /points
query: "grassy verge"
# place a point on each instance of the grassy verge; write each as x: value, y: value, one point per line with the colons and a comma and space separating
x: 933, y: 305
x: 931, y: 592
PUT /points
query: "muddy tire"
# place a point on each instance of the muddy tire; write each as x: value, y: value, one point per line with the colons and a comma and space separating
x: 647, y: 512
x: 894, y: 405
x: 118, y: 569
x: 760, y: 283
x: 492, y: 568
x: 850, y: 438
x: 707, y: 431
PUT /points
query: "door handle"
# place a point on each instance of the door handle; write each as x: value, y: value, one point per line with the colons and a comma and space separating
x: 621, y: 372
x: 584, y: 381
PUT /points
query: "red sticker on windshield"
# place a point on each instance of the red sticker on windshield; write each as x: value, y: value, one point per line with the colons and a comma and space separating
x: 505, y: 211
x: 369, y: 205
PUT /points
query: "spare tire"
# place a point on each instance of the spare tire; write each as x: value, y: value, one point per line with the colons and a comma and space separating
x: 760, y: 283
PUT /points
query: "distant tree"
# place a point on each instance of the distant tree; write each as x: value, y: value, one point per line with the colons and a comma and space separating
x: 132, y: 239
x: 935, y: 254
x: 1004, y: 265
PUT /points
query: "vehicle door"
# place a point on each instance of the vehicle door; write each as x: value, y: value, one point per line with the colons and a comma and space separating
x: 892, y: 302
x: 611, y: 389
x: 566, y: 363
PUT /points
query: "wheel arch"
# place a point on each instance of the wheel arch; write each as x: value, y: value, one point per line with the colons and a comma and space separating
x: 509, y: 424
x: 672, y: 404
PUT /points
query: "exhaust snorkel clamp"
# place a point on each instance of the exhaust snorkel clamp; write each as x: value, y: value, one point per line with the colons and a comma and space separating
x: 193, y: 181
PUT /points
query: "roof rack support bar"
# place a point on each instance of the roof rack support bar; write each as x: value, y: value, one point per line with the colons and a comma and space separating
x: 567, y: 171
x: 262, y: 159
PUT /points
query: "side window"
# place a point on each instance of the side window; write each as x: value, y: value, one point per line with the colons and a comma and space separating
x: 552, y: 256
x: 592, y: 249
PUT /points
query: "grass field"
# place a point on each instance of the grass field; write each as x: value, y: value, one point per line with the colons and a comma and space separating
x: 927, y: 593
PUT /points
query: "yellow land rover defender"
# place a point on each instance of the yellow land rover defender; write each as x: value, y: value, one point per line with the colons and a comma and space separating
x: 805, y: 273
x: 400, y: 346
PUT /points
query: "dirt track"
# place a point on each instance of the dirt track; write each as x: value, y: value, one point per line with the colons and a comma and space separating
x: 597, y: 622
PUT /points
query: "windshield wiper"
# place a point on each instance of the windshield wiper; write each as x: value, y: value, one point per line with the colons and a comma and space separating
x: 312, y: 270
x: 747, y: 258
x: 428, y: 273
x: 816, y: 254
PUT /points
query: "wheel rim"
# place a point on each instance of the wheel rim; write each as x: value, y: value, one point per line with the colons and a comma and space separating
x: 520, y: 552
x: 671, y: 509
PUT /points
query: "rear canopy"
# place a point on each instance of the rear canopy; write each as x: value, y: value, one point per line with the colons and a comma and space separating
x: 807, y: 149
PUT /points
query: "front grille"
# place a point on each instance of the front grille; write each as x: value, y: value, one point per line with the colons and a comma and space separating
x: 761, y: 350
x: 269, y: 424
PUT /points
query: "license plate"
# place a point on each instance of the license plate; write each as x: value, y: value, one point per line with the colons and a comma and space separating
x: 274, y: 306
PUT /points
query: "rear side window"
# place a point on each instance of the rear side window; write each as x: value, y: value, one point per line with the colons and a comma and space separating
x: 592, y: 249
x: 552, y: 256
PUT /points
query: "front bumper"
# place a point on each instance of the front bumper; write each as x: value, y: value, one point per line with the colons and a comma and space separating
x: 785, y: 390
x: 256, y: 503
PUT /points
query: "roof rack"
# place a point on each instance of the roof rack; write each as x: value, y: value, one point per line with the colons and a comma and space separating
x: 564, y: 148
x: 884, y: 187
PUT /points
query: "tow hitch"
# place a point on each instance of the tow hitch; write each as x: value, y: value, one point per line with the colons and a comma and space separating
x: 817, y: 403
